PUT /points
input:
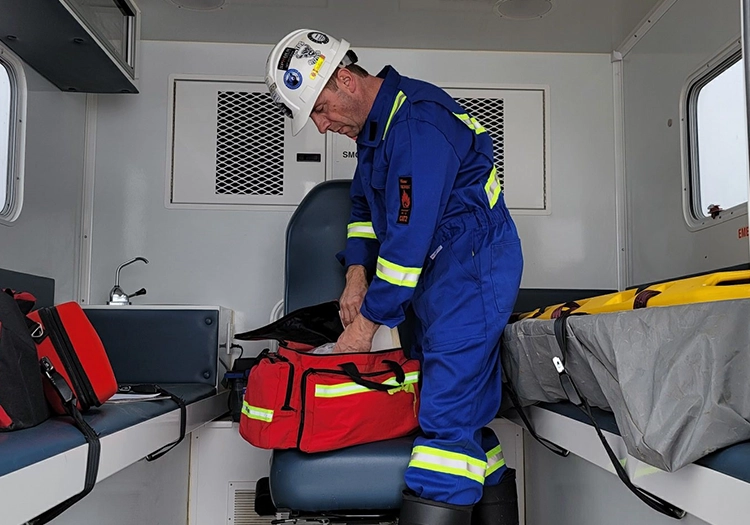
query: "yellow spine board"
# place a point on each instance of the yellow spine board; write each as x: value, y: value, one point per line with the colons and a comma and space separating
x: 720, y: 286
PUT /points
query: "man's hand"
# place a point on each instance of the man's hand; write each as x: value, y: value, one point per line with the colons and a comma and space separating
x: 354, y: 294
x: 357, y: 337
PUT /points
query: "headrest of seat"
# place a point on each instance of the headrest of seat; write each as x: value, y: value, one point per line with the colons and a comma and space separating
x: 315, y: 234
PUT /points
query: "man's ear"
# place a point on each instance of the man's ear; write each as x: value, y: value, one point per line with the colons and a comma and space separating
x: 346, y: 80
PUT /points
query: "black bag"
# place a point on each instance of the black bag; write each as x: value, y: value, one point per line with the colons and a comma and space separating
x: 312, y: 325
x: 22, y: 401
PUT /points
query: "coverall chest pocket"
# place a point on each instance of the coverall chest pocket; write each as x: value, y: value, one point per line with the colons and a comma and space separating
x: 379, y: 175
x: 378, y: 204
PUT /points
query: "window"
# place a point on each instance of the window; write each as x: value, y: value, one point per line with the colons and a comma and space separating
x: 4, y: 134
x: 12, y: 124
x: 717, y: 141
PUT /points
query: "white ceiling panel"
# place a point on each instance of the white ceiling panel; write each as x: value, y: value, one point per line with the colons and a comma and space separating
x: 584, y: 26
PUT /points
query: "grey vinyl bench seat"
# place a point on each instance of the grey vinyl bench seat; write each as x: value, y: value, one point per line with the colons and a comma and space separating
x: 22, y: 448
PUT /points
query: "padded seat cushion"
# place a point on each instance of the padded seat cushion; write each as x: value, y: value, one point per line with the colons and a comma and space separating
x: 365, y: 477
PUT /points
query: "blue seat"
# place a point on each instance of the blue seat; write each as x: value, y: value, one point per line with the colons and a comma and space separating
x: 357, y: 479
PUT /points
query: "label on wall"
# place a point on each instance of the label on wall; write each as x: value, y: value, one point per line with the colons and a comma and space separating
x: 344, y: 156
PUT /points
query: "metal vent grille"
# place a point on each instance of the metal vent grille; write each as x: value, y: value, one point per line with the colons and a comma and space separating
x: 490, y: 114
x: 244, y: 509
x: 249, y: 145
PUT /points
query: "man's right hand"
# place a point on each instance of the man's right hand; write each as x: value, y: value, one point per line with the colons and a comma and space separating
x: 354, y: 293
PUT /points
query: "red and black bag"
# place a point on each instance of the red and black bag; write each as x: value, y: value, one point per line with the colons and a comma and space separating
x: 22, y: 403
x: 24, y: 365
x: 65, y: 336
x: 317, y: 403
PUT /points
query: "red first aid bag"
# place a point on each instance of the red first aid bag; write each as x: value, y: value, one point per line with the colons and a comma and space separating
x: 65, y: 336
x: 317, y: 403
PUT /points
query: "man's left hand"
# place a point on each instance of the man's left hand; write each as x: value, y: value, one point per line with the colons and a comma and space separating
x: 357, y: 337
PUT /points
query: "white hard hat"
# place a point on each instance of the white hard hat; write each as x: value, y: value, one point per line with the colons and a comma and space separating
x: 299, y: 67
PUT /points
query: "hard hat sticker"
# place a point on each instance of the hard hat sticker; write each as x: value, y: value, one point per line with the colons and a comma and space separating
x: 318, y: 38
x: 286, y: 57
x: 317, y: 66
x: 304, y: 50
x: 292, y: 79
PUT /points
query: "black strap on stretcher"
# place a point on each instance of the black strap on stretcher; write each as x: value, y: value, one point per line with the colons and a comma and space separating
x: 575, y: 397
x: 92, y: 464
x: 549, y: 445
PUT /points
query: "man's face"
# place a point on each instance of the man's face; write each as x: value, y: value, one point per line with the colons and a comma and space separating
x: 339, y: 112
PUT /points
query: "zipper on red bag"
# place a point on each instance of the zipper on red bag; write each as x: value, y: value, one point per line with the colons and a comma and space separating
x: 67, y: 354
x: 289, y: 383
x: 302, y: 405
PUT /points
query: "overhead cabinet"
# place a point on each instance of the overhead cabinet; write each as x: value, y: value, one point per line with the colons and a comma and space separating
x: 78, y: 45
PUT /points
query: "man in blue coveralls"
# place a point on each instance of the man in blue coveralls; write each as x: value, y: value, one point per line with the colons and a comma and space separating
x: 429, y: 227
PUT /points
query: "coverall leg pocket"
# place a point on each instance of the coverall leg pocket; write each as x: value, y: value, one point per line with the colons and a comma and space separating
x: 505, y: 271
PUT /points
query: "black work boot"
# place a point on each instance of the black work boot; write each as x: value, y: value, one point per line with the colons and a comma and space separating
x: 418, y: 511
x: 499, y: 503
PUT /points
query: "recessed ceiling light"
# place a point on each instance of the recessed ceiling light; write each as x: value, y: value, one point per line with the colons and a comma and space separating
x: 198, y: 5
x: 523, y: 9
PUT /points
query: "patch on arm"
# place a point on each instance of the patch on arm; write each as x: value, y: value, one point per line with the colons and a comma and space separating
x: 404, y: 190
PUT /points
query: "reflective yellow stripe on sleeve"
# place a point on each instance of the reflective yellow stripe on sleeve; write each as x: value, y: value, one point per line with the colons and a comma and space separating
x: 363, y: 230
x: 398, y: 275
x: 351, y: 388
x: 493, y: 187
x: 495, y: 460
x: 471, y: 122
x: 436, y: 460
x: 261, y: 414
x: 400, y: 99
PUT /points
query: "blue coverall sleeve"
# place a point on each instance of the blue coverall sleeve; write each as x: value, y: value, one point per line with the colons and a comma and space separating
x: 421, y: 170
x: 361, y: 243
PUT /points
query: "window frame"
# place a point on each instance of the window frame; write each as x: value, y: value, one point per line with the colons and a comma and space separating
x: 11, y: 208
x: 708, y: 71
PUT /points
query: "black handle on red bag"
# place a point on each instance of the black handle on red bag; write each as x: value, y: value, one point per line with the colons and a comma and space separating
x: 355, y: 375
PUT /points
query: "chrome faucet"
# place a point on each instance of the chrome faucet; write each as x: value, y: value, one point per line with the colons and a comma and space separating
x: 116, y: 296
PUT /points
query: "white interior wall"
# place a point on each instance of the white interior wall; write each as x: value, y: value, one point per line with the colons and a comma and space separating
x: 655, y: 72
x: 235, y: 258
x: 44, y: 239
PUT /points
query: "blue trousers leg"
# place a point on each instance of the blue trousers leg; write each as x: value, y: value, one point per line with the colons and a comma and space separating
x: 463, y: 303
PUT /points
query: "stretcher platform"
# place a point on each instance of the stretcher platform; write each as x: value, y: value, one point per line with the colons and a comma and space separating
x: 713, y: 489
x: 733, y: 461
